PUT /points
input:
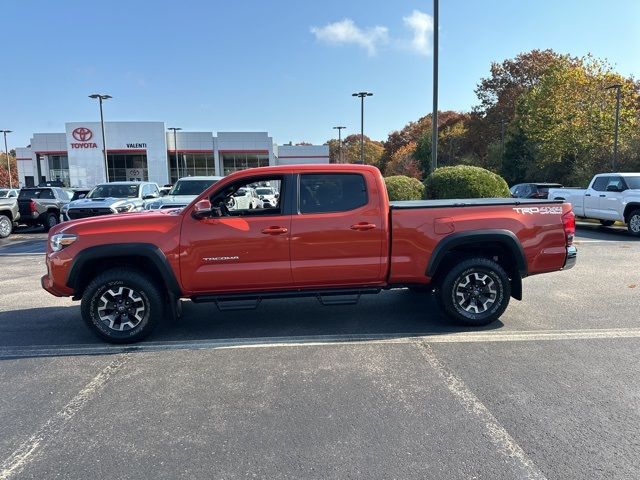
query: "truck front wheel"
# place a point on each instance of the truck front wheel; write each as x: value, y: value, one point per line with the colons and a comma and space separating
x: 633, y: 223
x: 475, y: 292
x: 122, y: 306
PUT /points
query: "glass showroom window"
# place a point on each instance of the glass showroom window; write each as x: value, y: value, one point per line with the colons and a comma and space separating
x: 232, y: 162
x: 123, y: 167
x: 192, y: 164
x: 59, y: 168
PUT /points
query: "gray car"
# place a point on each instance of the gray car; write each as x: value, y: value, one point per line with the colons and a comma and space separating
x: 183, y: 192
x: 114, y: 197
x: 42, y: 205
x: 9, y: 215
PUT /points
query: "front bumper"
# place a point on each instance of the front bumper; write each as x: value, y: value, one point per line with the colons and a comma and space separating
x: 47, y: 284
x: 572, y: 257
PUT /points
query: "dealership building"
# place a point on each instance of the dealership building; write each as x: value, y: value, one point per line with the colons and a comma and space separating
x: 147, y: 151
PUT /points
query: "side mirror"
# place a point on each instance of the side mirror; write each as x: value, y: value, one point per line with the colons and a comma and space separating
x: 202, y: 209
x: 613, y: 188
x: 150, y: 196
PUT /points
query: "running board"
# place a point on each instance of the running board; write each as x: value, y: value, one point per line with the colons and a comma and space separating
x: 245, y: 301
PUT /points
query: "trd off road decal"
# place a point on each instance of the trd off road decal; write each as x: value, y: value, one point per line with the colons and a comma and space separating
x: 538, y: 210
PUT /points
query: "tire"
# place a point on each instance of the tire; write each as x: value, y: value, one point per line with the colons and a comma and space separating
x: 482, y: 276
x: 607, y: 223
x: 6, y: 226
x: 127, y: 324
x: 633, y: 223
x: 50, y: 221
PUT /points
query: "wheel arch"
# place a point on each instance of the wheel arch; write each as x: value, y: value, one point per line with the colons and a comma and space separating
x: 502, y: 244
x: 145, y: 257
x: 630, y: 207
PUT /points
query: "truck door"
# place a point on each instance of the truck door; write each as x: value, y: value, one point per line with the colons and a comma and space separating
x: 244, y: 249
x: 337, y: 235
x: 611, y: 198
x: 592, y: 197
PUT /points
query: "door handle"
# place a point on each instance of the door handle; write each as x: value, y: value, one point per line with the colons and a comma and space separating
x: 274, y: 230
x: 587, y: 194
x: 602, y: 196
x: 362, y: 226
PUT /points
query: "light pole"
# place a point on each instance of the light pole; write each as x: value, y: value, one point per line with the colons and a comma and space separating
x: 6, y: 152
x: 339, y: 142
x: 361, y: 95
x: 434, y: 116
x: 617, y: 86
x: 175, y: 148
x: 100, y: 98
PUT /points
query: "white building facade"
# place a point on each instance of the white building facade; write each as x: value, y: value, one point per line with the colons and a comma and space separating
x: 147, y: 151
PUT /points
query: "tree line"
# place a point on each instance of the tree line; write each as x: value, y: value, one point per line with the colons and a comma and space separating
x: 541, y: 116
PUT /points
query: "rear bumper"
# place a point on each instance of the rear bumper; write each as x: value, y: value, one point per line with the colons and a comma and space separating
x: 572, y: 257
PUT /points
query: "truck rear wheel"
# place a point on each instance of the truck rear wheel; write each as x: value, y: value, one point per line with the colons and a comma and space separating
x: 633, y: 223
x: 122, y: 306
x: 6, y: 226
x: 50, y: 221
x: 475, y: 292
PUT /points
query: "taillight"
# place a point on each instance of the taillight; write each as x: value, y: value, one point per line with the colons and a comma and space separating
x: 32, y: 206
x: 569, y: 225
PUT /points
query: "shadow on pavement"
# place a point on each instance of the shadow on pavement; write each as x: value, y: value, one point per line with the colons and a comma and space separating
x: 598, y: 232
x: 393, y: 314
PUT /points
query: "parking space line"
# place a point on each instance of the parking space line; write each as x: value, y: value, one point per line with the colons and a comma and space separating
x: 524, y: 467
x: 52, y: 428
x: 17, y: 351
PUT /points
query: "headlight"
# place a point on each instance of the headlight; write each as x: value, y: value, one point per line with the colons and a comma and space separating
x: 62, y: 240
x: 127, y: 207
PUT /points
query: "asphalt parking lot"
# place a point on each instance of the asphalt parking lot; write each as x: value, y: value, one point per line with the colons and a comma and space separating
x: 386, y: 389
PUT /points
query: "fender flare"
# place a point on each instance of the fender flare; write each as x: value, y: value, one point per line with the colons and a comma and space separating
x: 630, y: 207
x: 504, y: 238
x: 146, y: 250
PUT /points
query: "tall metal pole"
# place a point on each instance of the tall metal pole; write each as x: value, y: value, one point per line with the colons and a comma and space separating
x: 6, y: 152
x: 175, y: 148
x: 614, y: 160
x: 434, y: 116
x: 339, y: 142
x: 361, y: 95
x: 104, y: 142
x: 502, y: 136
x: 615, y: 135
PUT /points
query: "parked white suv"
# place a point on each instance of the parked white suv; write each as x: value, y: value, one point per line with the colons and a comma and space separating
x: 610, y: 197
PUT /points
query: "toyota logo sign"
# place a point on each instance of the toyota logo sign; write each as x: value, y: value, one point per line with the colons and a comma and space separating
x: 82, y: 134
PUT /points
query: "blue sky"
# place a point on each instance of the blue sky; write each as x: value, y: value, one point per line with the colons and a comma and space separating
x: 287, y: 67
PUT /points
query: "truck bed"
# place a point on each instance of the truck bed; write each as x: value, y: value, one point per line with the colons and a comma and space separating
x: 468, y: 202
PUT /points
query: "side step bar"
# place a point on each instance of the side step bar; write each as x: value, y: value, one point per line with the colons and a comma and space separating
x: 244, y: 301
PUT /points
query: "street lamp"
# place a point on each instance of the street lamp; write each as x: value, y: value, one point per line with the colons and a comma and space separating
x: 175, y: 148
x: 6, y: 151
x: 434, y: 116
x: 339, y: 142
x: 617, y: 86
x: 102, y: 97
x: 361, y: 95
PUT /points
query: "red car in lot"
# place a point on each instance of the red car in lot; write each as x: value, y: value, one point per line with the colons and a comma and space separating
x: 333, y: 234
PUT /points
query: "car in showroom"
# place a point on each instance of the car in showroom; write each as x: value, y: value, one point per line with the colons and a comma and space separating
x: 114, y: 197
x: 182, y: 193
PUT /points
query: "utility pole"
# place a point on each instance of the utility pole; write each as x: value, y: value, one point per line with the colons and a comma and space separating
x: 614, y: 161
x: 434, y: 116
x: 100, y: 98
x: 6, y: 152
x: 361, y: 95
x: 339, y: 142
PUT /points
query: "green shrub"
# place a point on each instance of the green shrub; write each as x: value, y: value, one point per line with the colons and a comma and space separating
x: 464, y: 181
x: 404, y: 188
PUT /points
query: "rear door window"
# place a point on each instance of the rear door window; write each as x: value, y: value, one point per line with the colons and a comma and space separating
x: 325, y: 193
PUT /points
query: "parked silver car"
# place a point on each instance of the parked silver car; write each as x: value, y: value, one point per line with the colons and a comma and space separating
x: 114, y: 197
x: 183, y: 192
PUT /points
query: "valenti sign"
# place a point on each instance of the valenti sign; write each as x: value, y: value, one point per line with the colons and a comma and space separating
x: 83, y: 136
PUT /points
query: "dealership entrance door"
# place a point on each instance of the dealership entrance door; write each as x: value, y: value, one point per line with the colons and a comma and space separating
x: 127, y: 166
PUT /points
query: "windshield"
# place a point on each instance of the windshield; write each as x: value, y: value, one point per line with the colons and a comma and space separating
x: 191, y: 187
x: 114, y: 191
x: 633, y: 182
x: 4, y: 193
x: 264, y: 191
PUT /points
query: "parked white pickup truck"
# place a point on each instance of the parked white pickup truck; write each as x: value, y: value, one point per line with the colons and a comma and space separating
x: 610, y: 197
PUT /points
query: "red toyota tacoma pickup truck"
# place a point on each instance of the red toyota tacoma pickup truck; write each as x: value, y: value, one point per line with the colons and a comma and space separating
x: 332, y: 233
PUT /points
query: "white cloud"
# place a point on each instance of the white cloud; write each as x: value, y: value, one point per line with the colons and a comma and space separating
x: 422, y: 26
x: 347, y: 32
